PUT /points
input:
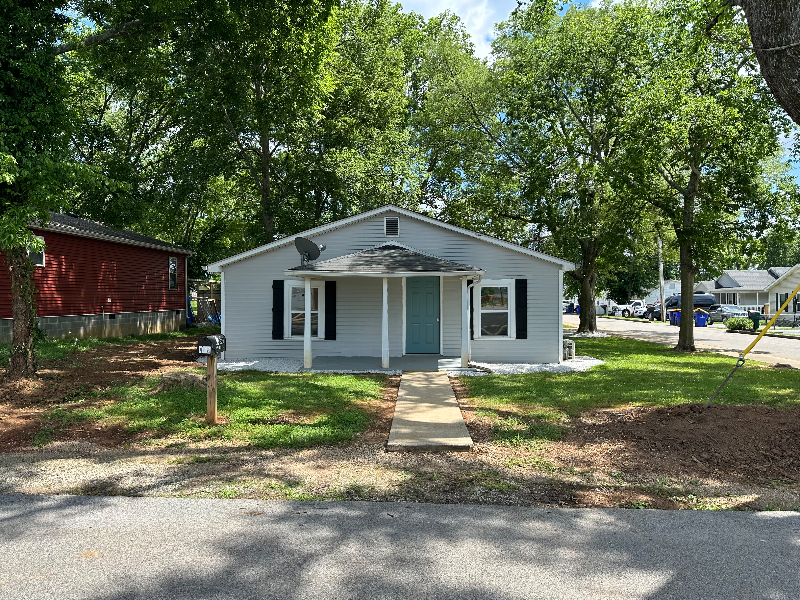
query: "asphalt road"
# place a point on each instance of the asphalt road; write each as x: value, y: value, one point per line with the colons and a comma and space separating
x: 76, y: 547
x: 769, y: 349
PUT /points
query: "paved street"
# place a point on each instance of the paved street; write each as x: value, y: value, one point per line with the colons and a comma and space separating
x: 769, y: 349
x: 82, y: 547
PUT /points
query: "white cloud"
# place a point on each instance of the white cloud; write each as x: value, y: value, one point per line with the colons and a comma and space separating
x: 478, y: 16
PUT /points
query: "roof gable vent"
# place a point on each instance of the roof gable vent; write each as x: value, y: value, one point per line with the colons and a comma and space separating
x: 391, y: 226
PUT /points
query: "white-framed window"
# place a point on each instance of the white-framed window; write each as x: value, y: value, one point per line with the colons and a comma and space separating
x: 493, y: 309
x: 295, y: 309
x: 37, y: 256
x: 391, y: 226
x: 173, y: 273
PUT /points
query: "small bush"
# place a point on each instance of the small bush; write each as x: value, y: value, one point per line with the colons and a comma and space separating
x: 739, y: 324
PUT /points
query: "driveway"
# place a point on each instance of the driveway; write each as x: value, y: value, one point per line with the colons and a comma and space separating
x: 769, y: 349
x: 115, y: 548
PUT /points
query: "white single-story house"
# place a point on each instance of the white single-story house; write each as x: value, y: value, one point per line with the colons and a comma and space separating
x: 750, y: 289
x: 392, y: 282
x: 780, y: 290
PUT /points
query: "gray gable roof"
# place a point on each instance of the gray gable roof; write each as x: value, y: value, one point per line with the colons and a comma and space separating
x: 389, y: 258
x: 70, y: 224
x: 753, y: 280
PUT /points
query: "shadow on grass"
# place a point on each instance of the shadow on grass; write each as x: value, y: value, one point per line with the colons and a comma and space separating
x: 266, y: 410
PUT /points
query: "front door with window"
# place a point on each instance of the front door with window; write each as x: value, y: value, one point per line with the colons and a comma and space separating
x: 422, y: 315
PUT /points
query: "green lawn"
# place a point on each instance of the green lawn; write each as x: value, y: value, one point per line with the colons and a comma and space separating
x: 266, y: 410
x: 57, y: 349
x: 537, y: 406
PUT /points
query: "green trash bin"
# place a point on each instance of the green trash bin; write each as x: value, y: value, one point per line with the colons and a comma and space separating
x: 755, y: 317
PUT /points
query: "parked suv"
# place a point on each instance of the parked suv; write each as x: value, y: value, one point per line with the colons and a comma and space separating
x: 720, y: 313
x: 703, y: 301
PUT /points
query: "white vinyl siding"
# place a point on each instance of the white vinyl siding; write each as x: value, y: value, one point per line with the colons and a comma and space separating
x: 248, y: 297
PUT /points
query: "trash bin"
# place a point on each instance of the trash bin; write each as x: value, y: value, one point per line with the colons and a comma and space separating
x: 700, y: 318
x: 677, y: 314
x: 671, y: 317
x: 755, y: 317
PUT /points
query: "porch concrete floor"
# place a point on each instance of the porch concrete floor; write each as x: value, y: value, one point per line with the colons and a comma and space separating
x: 427, y: 417
x: 409, y: 362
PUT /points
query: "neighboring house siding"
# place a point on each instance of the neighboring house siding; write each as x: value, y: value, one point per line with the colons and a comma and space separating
x: 81, y: 274
x: 248, y: 296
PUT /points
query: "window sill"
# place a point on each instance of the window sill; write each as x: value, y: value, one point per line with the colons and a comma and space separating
x: 494, y: 338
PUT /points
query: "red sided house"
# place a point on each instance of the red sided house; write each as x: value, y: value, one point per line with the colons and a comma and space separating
x: 93, y: 281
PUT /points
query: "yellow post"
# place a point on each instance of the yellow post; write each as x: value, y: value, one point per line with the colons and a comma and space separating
x: 777, y: 314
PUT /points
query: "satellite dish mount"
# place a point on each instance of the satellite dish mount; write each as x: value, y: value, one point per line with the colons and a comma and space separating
x: 308, y: 250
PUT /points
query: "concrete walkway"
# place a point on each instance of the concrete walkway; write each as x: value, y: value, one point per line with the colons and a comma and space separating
x: 427, y: 417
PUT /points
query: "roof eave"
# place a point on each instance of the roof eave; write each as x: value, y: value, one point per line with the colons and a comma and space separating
x: 477, y: 272
x: 110, y: 238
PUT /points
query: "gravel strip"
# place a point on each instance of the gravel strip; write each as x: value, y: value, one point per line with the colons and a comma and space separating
x: 290, y: 365
x: 286, y: 365
x: 579, y: 363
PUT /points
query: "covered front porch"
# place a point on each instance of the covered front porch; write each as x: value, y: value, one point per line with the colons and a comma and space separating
x: 408, y: 362
x: 412, y: 308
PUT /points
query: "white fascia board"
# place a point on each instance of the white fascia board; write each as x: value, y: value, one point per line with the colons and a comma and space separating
x: 373, y: 274
x: 782, y: 278
x: 217, y: 266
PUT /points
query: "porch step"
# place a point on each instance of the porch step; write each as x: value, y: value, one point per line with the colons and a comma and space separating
x: 427, y: 417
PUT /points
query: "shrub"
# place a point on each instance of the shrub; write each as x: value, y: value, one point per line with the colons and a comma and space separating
x: 739, y: 324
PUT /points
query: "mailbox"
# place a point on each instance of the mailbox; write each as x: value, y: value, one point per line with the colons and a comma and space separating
x: 211, y: 345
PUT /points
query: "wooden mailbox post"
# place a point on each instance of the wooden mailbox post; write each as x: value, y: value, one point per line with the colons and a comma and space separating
x: 210, y: 346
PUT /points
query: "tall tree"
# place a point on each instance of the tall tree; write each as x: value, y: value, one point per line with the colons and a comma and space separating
x: 33, y: 118
x: 259, y: 71
x: 565, y: 81
x: 704, y: 124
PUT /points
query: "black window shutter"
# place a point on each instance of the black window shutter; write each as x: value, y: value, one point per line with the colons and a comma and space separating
x: 277, y: 309
x: 469, y: 300
x: 521, y: 309
x: 330, y: 310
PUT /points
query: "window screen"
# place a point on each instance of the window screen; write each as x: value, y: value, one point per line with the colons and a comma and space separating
x: 173, y: 273
x: 37, y: 256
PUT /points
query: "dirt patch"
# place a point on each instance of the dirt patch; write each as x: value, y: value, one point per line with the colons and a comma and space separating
x: 751, y: 444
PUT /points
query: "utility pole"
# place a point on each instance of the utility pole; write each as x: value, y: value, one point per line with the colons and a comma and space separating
x: 661, y: 278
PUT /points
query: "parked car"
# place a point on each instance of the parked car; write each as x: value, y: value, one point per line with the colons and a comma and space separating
x: 720, y: 313
x: 701, y: 300
x: 626, y: 309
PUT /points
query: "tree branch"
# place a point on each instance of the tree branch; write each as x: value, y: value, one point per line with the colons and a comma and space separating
x: 129, y: 29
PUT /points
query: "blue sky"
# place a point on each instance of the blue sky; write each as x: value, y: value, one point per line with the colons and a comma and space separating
x: 479, y: 16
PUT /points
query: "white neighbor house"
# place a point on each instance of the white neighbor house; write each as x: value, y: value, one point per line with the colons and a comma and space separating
x: 393, y: 282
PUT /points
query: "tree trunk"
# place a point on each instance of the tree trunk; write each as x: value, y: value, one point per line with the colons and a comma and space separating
x: 23, y: 303
x: 774, y: 27
x: 686, y: 243
x: 588, y: 280
x: 686, y: 333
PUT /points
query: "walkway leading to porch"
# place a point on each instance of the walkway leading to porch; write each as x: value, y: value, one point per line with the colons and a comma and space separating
x: 427, y: 417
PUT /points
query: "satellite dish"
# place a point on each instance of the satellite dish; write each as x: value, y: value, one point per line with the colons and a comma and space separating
x: 308, y: 249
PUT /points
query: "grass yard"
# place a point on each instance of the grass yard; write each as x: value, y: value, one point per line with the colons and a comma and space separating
x: 50, y: 350
x: 266, y: 410
x: 537, y: 406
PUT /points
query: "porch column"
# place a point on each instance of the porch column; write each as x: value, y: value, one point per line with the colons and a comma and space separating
x: 464, y: 323
x: 307, y: 327
x: 385, y: 325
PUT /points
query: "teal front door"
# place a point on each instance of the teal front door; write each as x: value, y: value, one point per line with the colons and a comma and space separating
x: 422, y: 315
